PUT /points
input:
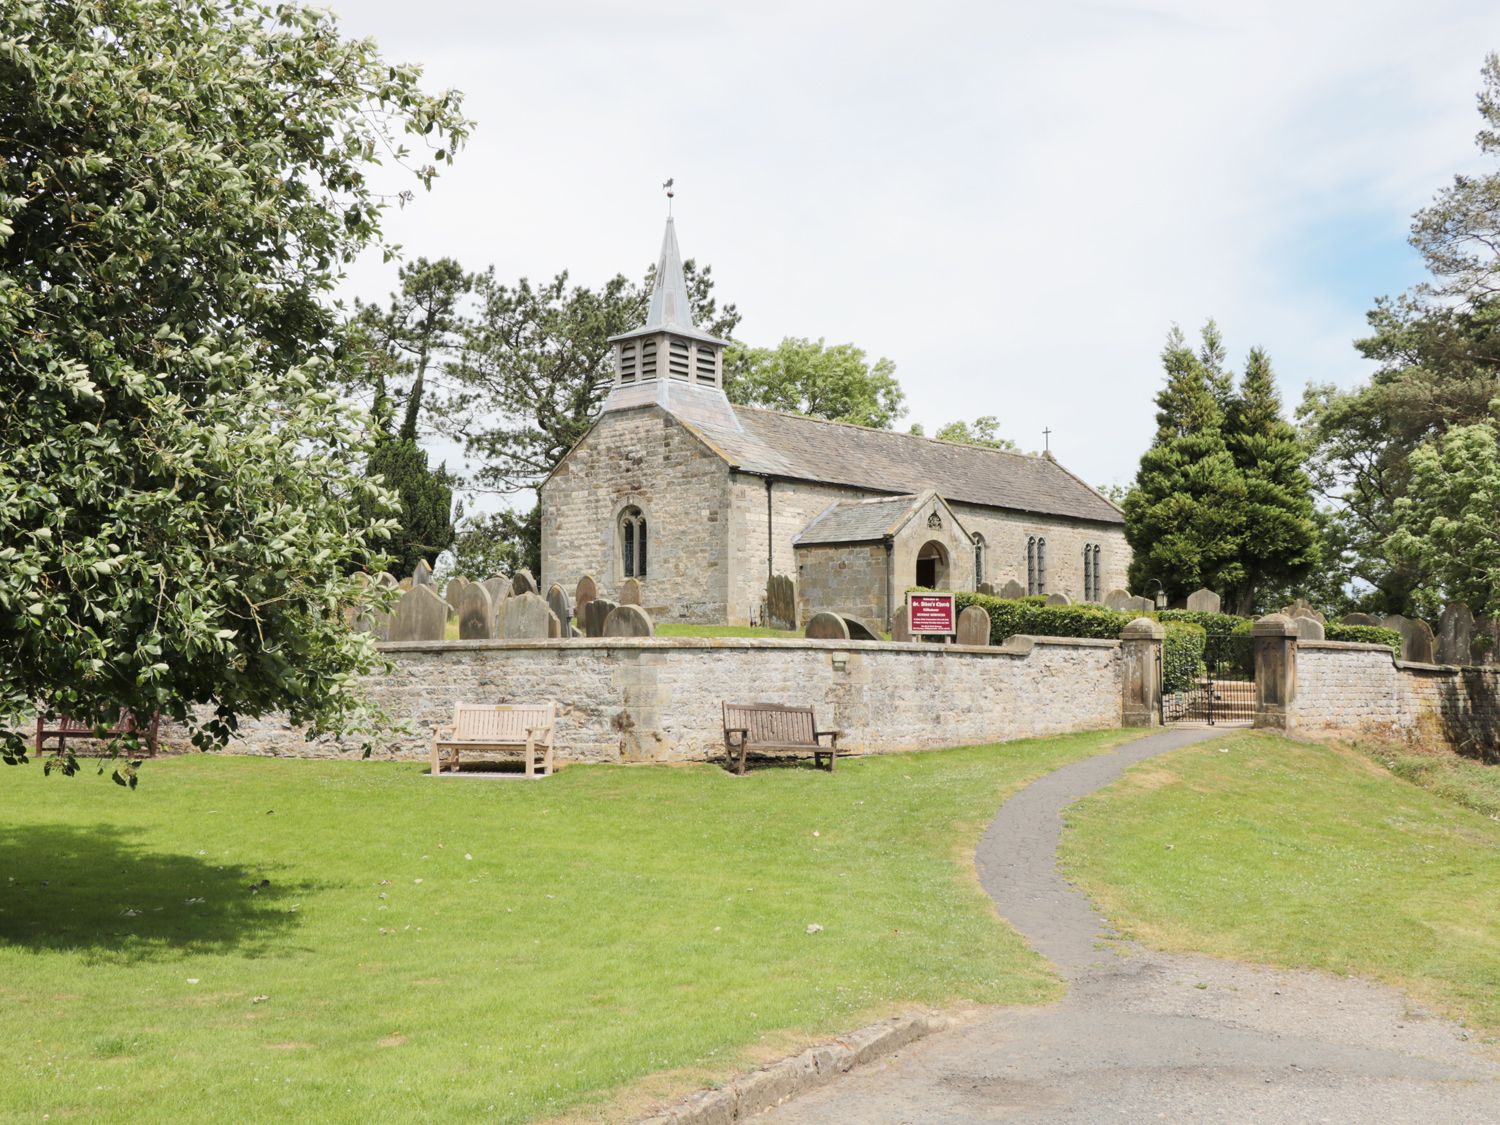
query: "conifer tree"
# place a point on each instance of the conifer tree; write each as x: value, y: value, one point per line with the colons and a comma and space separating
x: 1280, y: 541
x: 1183, y: 516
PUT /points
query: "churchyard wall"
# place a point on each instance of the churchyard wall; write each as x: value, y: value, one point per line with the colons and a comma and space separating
x: 646, y: 459
x: 1356, y: 689
x: 658, y: 699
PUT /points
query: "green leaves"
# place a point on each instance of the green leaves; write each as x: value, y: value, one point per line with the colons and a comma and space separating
x: 820, y: 380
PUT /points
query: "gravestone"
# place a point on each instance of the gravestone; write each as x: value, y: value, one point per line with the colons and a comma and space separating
x: 523, y: 582
x: 524, y: 617
x: 586, y: 591
x: 557, y: 602
x: 973, y: 626
x: 453, y: 591
x: 1058, y: 599
x: 860, y: 630
x: 1416, y: 638
x: 386, y: 578
x: 781, y: 602
x: 421, y: 574
x: 420, y: 615
x: 629, y: 621
x: 595, y: 614
x: 630, y: 591
x: 476, y: 613
x: 556, y: 628
x: 1486, y: 646
x: 1012, y: 590
x: 1308, y: 628
x: 498, y: 587
x: 1359, y: 619
x: 1203, y: 601
x: 368, y: 619
x: 827, y: 627
x: 1455, y: 638
x: 1120, y: 601
x: 901, y: 625
x: 1303, y: 608
x: 1140, y: 604
x: 986, y: 588
x: 404, y: 584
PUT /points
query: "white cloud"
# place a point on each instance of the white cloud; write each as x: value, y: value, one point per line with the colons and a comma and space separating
x: 1013, y: 201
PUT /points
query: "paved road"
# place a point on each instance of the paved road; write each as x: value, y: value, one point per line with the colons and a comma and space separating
x: 1145, y: 1036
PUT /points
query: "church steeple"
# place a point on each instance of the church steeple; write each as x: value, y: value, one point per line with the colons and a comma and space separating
x: 669, y: 346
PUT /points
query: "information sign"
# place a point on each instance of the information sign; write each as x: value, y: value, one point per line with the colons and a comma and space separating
x: 931, y: 614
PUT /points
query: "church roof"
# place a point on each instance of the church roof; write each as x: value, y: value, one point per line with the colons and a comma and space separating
x: 670, y: 309
x: 789, y: 445
x: 861, y: 521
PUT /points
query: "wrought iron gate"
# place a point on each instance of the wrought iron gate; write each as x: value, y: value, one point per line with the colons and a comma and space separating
x: 1221, y: 689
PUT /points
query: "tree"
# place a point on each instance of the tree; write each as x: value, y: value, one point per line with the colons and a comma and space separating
x: 180, y: 494
x: 1183, y: 515
x: 537, y: 364
x: 500, y: 542
x: 1279, y: 538
x: 1446, y: 527
x: 985, y: 431
x: 423, y: 523
x: 806, y: 377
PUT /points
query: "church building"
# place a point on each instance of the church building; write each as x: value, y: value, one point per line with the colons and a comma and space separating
x: 703, y: 501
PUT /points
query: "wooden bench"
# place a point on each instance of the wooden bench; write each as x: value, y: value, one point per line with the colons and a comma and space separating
x: 772, y: 729
x: 506, y: 728
x: 64, y: 727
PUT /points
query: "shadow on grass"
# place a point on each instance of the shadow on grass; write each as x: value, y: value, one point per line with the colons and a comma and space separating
x: 94, y: 891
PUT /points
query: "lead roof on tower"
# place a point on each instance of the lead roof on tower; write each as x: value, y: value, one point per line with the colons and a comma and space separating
x: 670, y: 309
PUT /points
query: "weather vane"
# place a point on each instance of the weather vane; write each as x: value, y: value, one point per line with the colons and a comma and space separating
x: 667, y: 187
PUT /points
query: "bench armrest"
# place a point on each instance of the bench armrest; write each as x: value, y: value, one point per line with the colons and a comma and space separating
x: 539, y: 730
x: 833, y: 734
x: 743, y: 732
x: 440, y: 732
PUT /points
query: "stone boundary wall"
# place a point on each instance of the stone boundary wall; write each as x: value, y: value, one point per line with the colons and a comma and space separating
x: 1351, y: 689
x: 658, y: 699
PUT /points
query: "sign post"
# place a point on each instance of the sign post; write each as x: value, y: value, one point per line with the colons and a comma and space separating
x: 931, y: 615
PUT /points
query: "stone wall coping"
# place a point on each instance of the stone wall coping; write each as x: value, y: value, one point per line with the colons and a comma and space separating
x: 1351, y: 646
x: 1405, y: 665
x: 1018, y: 645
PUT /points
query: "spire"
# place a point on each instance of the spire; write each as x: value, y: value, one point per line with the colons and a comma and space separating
x: 670, y: 308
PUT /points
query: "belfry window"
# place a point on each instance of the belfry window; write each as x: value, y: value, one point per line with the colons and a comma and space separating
x: 633, y: 543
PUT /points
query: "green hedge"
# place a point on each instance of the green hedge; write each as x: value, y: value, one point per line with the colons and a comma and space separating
x: 1181, y: 655
x: 1007, y: 618
x: 1363, y: 634
x: 1214, y: 624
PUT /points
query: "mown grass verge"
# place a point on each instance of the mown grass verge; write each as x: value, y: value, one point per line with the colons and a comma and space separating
x: 254, y: 939
x: 1299, y: 855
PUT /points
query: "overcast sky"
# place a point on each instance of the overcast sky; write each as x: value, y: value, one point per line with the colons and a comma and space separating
x: 1012, y: 201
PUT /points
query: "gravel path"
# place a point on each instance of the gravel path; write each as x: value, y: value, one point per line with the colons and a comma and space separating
x: 1145, y: 1036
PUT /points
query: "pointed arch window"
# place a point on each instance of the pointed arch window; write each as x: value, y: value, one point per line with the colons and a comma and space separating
x: 978, y: 560
x: 633, y: 543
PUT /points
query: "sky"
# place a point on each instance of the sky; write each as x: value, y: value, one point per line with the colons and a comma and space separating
x: 1012, y: 201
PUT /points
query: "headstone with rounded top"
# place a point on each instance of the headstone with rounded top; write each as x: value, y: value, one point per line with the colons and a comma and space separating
x: 1359, y: 619
x: 781, y: 602
x: 499, y: 588
x: 1012, y: 590
x: 524, y: 617
x: 386, y: 578
x: 1416, y: 638
x: 826, y: 626
x: 1059, y: 599
x: 1303, y: 608
x: 586, y: 591
x: 987, y: 588
x: 1308, y: 628
x: 1203, y: 601
x: 476, y: 613
x: 629, y: 621
x: 421, y: 574
x: 453, y: 591
x: 860, y: 630
x: 973, y: 626
x: 595, y: 614
x: 1120, y: 601
x: 1486, y: 646
x: 420, y: 615
x: 1455, y: 637
x: 630, y: 591
x: 901, y: 625
x: 557, y: 602
x: 523, y: 582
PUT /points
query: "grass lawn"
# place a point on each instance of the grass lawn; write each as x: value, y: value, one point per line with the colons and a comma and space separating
x: 1300, y: 855
x: 248, y: 939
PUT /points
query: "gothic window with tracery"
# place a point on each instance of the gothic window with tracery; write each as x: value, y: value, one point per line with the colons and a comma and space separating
x: 633, y: 543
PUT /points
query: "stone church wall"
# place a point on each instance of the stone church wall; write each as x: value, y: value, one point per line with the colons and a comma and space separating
x: 658, y: 699
x: 848, y: 578
x: 646, y: 459
x: 1005, y: 535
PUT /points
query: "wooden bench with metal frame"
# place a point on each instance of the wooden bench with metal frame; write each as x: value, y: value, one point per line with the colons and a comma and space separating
x: 769, y: 729
x: 64, y: 727
x: 504, y: 728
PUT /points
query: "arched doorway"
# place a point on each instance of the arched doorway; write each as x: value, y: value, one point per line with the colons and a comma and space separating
x: 932, y: 565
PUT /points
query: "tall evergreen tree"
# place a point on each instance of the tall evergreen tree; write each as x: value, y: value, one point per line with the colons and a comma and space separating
x: 1280, y: 539
x: 1183, y: 516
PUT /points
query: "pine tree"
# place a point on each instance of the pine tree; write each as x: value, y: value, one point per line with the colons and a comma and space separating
x: 426, y: 525
x: 1280, y: 542
x: 1183, y: 517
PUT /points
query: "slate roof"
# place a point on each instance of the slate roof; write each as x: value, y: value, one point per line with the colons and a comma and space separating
x: 789, y: 445
x: 859, y: 521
